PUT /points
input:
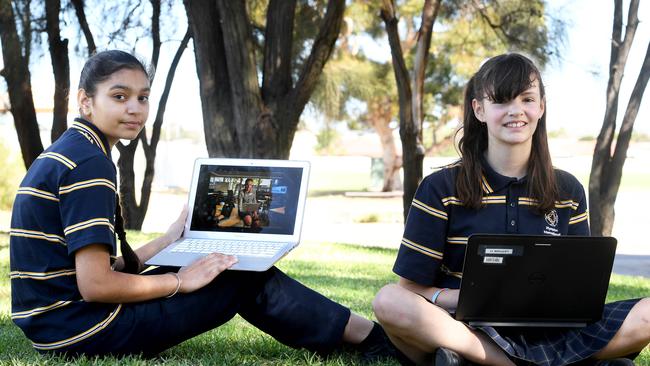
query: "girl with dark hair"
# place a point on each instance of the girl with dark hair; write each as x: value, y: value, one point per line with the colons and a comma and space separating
x: 503, y: 183
x: 71, y: 294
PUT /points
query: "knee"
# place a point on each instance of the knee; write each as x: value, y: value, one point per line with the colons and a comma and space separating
x: 642, y: 310
x: 390, y: 306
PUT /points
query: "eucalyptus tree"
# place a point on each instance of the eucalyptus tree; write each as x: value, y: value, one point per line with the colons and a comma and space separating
x: 258, y: 63
x: 494, y: 25
x: 608, y: 161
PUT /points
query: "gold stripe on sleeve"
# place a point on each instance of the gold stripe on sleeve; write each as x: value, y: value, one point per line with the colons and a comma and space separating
x: 37, y: 193
x: 421, y: 248
x: 579, y: 218
x: 87, y: 184
x: 430, y: 210
x: 88, y: 223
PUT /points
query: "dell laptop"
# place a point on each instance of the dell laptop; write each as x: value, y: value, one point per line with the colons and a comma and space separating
x: 521, y: 280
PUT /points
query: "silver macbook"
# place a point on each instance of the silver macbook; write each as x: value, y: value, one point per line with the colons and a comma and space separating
x: 260, y: 232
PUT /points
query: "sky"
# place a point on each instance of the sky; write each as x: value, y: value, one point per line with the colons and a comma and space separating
x: 575, y: 86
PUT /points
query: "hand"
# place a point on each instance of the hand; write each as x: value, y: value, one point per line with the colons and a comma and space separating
x: 204, y: 270
x: 176, y: 228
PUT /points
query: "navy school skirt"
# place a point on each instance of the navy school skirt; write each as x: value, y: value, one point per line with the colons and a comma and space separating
x: 561, y: 346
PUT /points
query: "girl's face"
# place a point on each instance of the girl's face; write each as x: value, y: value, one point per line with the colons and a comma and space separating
x: 120, y: 106
x: 513, y: 122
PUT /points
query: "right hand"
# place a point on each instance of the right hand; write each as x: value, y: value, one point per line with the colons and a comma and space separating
x: 204, y: 270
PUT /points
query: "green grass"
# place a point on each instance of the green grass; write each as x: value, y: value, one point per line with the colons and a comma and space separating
x: 347, y: 273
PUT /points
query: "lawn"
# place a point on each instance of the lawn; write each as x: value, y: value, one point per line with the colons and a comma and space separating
x: 347, y: 273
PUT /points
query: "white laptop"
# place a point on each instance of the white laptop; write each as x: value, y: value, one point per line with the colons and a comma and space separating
x: 258, y: 238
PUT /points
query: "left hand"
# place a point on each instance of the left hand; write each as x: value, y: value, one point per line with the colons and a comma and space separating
x: 176, y: 228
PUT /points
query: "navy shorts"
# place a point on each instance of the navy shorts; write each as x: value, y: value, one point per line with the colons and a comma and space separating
x: 271, y: 301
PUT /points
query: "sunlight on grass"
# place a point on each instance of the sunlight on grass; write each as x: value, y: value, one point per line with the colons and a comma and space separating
x: 347, y: 273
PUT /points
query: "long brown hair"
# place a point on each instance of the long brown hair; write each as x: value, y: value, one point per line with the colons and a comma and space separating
x: 501, y: 79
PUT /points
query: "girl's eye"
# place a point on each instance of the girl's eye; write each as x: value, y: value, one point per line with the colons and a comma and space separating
x: 119, y: 97
x: 143, y: 98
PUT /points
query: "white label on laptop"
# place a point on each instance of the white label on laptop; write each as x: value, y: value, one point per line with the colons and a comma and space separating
x: 498, y: 251
x: 493, y: 260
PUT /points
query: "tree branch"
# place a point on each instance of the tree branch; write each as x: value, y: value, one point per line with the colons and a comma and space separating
x: 320, y: 53
x: 83, y: 23
x: 60, y: 67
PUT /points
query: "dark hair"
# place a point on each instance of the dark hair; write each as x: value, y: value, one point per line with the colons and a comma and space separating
x: 102, y: 65
x: 501, y: 79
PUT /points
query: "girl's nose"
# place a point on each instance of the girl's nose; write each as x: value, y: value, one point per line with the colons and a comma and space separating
x: 514, y: 109
x: 133, y: 106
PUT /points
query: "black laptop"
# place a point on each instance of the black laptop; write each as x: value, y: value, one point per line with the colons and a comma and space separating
x: 521, y: 280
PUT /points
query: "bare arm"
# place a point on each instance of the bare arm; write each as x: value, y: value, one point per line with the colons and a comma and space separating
x: 448, y: 299
x: 99, y: 283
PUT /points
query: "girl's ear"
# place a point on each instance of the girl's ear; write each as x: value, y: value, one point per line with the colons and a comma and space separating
x: 542, y: 107
x: 85, y: 103
x: 479, y: 112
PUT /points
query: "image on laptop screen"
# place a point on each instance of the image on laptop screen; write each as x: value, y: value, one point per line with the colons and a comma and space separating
x: 246, y: 199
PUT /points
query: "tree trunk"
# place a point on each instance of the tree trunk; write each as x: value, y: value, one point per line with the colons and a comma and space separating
x: 379, y: 115
x: 16, y: 73
x: 135, y: 213
x: 410, y: 125
x: 218, y: 117
x: 603, y: 180
x: 239, y: 120
x: 60, y: 67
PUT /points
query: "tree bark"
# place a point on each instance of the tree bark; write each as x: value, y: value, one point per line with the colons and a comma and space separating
x: 60, y: 66
x: 238, y: 119
x: 83, y: 23
x: 218, y: 116
x: 134, y: 212
x: 19, y: 88
x: 603, y: 185
x: 410, y: 125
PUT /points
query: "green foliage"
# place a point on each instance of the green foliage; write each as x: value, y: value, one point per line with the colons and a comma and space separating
x: 12, y: 173
x: 369, y: 218
x: 557, y: 133
x: 326, y: 140
x: 640, y: 137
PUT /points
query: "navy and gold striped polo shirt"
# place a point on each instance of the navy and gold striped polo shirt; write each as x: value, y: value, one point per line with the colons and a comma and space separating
x: 437, y: 227
x: 65, y: 202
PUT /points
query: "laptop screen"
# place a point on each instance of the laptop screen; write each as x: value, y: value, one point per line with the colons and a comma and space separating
x: 246, y: 199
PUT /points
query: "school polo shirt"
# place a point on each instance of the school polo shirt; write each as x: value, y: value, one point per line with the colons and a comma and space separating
x: 65, y: 202
x: 438, y: 225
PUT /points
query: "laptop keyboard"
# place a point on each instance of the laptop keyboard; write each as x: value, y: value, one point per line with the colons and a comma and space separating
x: 232, y: 247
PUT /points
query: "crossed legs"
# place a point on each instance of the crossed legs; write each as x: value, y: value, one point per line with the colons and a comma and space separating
x: 417, y: 328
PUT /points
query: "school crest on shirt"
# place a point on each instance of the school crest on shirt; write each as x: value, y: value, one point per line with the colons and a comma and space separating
x: 551, y: 218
